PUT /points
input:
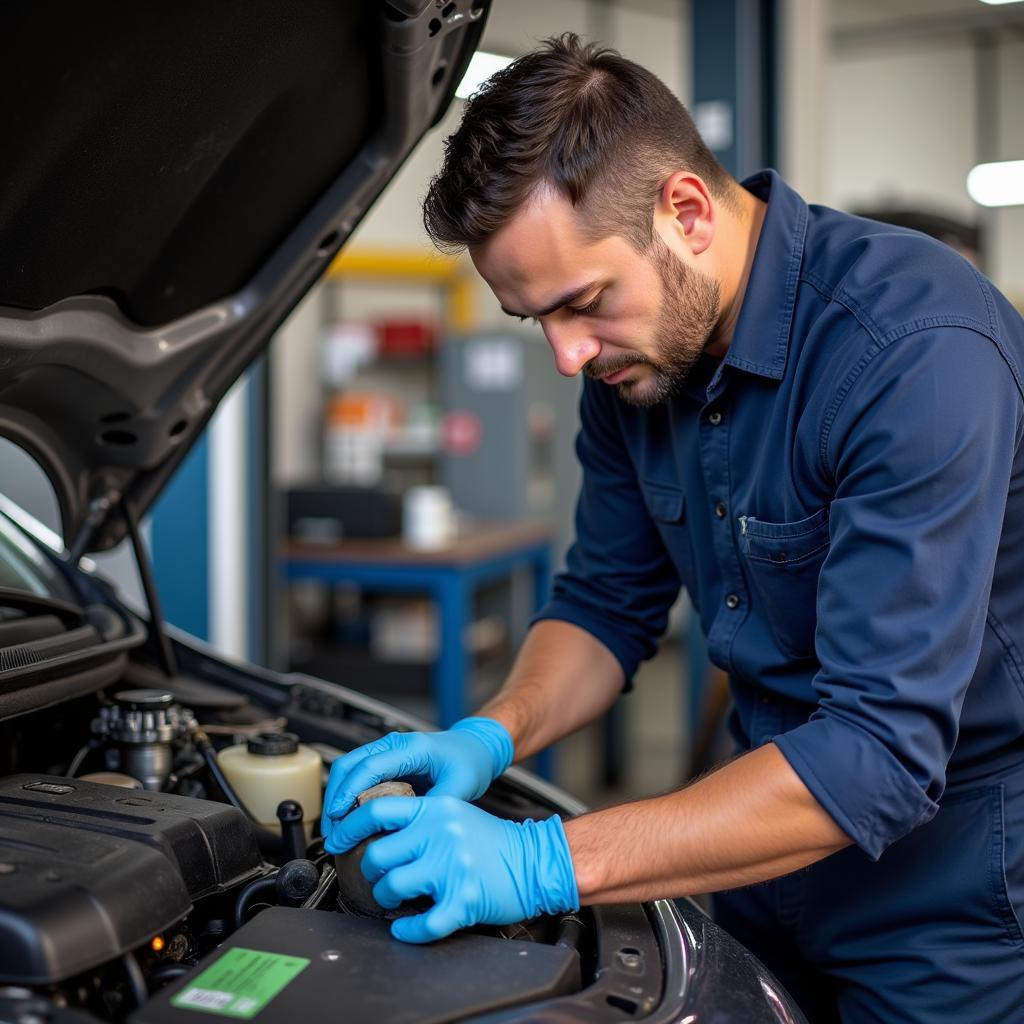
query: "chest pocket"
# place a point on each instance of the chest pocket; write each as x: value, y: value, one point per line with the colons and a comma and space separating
x: 783, y: 562
x: 667, y: 506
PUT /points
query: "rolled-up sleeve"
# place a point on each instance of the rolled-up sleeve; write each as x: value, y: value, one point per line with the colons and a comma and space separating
x: 920, y: 444
x: 619, y: 581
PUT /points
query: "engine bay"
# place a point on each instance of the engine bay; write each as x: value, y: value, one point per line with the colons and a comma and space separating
x: 145, y: 877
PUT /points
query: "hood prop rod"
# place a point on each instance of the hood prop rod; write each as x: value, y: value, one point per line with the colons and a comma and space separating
x: 158, y: 638
x: 98, y: 511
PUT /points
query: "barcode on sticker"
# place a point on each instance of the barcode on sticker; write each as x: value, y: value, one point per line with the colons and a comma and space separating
x: 239, y: 983
x: 209, y: 998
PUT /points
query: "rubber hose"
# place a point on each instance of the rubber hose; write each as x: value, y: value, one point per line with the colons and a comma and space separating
x: 135, y: 979
x: 213, y: 764
x: 257, y: 887
x: 315, y: 898
x: 269, y: 842
x: 169, y: 972
x: 571, y: 933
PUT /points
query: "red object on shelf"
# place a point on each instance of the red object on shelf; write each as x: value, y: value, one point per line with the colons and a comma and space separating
x: 403, y: 338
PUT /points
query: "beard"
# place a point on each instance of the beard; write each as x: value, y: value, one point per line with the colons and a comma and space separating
x: 688, y: 314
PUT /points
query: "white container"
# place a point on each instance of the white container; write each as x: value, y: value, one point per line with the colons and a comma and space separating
x: 428, y: 518
x: 270, y: 768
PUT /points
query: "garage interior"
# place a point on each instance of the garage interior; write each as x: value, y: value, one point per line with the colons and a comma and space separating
x: 383, y: 497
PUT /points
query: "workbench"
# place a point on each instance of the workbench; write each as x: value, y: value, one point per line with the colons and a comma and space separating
x: 450, y: 576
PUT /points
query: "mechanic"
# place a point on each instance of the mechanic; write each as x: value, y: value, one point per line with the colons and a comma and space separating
x: 814, y: 423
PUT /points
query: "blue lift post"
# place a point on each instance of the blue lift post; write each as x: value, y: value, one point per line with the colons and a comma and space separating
x: 735, y: 106
x: 180, y: 542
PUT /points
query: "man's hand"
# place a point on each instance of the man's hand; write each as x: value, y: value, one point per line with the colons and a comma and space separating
x: 478, y: 868
x: 462, y: 762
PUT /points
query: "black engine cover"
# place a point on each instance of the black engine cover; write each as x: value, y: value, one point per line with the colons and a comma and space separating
x: 89, y: 872
x: 289, y: 965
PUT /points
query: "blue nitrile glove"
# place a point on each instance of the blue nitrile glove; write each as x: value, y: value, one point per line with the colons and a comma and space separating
x: 479, y: 869
x: 462, y: 761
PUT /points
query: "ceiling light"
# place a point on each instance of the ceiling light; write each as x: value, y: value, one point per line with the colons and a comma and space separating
x: 1000, y: 184
x: 481, y: 66
x: 1000, y: 1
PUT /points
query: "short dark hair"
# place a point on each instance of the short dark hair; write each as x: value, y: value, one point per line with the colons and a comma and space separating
x: 602, y: 130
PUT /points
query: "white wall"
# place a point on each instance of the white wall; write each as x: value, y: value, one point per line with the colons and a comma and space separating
x: 803, y: 41
x: 901, y: 128
x: 1007, y: 225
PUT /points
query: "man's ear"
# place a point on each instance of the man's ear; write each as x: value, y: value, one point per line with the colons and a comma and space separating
x: 685, y: 212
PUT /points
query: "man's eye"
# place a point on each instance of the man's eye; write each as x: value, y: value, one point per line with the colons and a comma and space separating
x: 588, y: 309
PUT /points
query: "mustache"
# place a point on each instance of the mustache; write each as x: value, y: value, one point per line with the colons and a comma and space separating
x: 596, y: 370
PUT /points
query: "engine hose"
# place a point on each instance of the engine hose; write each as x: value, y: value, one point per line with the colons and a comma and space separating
x: 76, y: 761
x: 269, y: 842
x: 327, y: 879
x: 167, y: 973
x: 571, y: 933
x: 257, y: 887
x: 136, y: 981
x: 209, y: 755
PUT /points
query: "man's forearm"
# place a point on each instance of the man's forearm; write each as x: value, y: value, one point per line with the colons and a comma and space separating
x: 562, y: 679
x: 750, y: 821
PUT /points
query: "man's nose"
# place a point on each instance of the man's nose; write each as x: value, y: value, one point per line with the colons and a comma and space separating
x: 573, y: 346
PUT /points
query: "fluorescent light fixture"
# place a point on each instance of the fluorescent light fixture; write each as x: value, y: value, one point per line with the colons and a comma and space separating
x: 481, y: 66
x: 1000, y: 184
x: 1000, y: 1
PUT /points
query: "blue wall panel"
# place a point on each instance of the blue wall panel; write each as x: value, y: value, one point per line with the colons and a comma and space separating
x: 180, y: 542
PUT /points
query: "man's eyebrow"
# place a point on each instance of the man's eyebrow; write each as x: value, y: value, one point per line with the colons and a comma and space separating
x: 565, y: 300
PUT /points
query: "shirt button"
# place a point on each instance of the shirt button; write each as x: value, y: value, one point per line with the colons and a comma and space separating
x: 714, y: 418
x: 720, y: 510
x: 732, y: 602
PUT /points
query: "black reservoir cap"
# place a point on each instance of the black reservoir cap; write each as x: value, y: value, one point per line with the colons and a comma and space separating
x: 273, y: 744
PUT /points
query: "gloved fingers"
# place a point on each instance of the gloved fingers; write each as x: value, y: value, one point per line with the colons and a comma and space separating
x: 373, y: 769
x: 377, y: 767
x: 340, y: 771
x: 405, y: 883
x: 441, y: 920
x: 386, y: 854
x: 385, y: 815
x: 344, y: 765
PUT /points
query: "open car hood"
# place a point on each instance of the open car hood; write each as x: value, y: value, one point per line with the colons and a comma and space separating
x: 173, y: 179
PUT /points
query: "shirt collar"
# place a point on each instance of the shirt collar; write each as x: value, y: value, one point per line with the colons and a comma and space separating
x: 760, y: 342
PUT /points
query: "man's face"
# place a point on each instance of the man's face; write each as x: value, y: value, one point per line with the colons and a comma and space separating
x: 637, y: 322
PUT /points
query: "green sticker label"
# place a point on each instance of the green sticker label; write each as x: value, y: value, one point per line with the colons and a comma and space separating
x: 240, y: 983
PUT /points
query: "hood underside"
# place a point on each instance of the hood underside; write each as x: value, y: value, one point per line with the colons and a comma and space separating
x: 175, y: 177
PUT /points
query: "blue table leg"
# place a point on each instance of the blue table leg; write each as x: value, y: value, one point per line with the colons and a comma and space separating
x: 452, y: 668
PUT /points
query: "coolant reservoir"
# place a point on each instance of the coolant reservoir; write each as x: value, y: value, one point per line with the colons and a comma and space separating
x: 272, y: 767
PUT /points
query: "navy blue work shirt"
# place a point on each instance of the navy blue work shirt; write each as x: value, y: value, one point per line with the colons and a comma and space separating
x: 843, y: 498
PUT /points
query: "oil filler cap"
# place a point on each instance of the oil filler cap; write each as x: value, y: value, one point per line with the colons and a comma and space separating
x: 273, y: 744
